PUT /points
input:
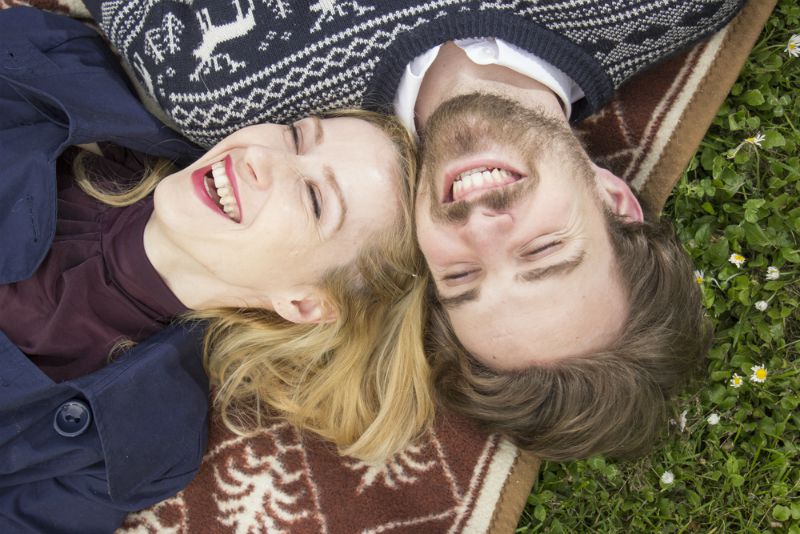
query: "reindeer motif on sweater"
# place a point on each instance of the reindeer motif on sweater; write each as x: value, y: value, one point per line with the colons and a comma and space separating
x: 216, y: 34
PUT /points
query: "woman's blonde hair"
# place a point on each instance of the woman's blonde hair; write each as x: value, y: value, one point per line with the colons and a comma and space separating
x: 361, y: 381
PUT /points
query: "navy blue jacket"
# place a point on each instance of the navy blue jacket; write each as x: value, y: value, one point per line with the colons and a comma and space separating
x: 77, y: 456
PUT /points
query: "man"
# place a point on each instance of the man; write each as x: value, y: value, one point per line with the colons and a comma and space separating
x: 554, y: 316
x: 562, y: 317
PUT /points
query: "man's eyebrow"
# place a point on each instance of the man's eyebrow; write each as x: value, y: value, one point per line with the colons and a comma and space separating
x: 559, y: 269
x: 334, y: 184
x: 319, y: 135
x: 454, y: 302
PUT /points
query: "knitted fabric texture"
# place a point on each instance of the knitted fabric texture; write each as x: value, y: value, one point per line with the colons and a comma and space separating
x: 216, y: 66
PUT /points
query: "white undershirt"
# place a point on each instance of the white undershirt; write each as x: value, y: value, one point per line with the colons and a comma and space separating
x: 485, y: 51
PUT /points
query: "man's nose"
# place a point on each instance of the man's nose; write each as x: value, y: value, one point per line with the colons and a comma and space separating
x: 485, y: 226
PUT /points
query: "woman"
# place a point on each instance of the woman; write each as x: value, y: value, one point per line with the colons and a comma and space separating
x: 290, y: 241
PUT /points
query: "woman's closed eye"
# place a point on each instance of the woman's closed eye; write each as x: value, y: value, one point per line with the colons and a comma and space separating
x: 316, y: 199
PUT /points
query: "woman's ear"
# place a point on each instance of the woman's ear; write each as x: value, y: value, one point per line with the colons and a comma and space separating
x: 304, y: 306
x: 617, y: 195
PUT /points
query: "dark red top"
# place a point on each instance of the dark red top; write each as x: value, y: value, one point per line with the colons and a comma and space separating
x: 95, y: 287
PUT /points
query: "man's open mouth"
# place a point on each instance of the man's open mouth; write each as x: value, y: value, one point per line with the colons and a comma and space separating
x: 468, y: 183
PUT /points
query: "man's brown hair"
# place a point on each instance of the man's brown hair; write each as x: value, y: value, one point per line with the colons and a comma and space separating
x: 611, y: 402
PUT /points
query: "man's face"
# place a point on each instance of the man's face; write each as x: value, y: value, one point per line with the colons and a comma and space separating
x: 511, y: 219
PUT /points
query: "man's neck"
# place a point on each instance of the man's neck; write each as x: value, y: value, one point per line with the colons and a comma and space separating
x: 452, y: 73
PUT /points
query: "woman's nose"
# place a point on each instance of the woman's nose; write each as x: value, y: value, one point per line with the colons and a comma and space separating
x: 265, y: 166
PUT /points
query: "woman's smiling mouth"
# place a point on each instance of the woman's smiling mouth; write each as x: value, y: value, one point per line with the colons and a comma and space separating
x: 216, y: 186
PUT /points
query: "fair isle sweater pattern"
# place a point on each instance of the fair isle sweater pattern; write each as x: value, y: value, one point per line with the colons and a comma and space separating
x: 215, y: 66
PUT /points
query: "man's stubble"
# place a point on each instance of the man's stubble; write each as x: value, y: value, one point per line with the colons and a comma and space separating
x: 479, y: 122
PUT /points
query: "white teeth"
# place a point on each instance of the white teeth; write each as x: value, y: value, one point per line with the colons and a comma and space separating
x: 220, y: 176
x: 480, y: 177
x: 224, y: 190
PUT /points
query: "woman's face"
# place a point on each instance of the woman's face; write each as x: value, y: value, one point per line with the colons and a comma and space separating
x: 271, y: 208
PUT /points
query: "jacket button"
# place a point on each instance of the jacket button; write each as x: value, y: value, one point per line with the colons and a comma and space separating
x: 72, y: 418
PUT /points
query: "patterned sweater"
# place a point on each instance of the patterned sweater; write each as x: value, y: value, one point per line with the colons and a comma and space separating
x: 217, y: 65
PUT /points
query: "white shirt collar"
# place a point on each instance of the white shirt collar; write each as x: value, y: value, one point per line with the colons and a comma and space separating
x: 485, y: 51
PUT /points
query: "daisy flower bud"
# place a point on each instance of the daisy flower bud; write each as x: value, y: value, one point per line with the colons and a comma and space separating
x: 773, y: 273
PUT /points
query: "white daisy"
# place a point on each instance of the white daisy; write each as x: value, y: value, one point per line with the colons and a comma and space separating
x: 756, y: 139
x: 712, y: 419
x: 759, y: 373
x: 773, y: 273
x: 736, y: 381
x: 761, y: 305
x: 737, y: 259
x: 793, y: 46
x: 667, y: 477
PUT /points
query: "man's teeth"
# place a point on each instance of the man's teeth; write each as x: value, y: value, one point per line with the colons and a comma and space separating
x: 480, y: 178
x: 223, y: 186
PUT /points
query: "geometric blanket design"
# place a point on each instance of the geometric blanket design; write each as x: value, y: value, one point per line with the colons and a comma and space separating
x: 458, y: 479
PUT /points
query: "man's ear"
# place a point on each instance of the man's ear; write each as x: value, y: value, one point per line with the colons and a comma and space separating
x: 617, y: 195
x: 304, y: 306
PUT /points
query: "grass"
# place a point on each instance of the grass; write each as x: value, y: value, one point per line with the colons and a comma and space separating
x: 741, y: 474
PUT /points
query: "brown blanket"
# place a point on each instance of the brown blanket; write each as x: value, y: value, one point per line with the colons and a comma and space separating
x: 458, y: 479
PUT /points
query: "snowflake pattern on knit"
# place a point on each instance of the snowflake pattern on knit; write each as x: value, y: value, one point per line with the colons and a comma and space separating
x: 280, y: 8
x: 406, y: 467
x: 241, y: 62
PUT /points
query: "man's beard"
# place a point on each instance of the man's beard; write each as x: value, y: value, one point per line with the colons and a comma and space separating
x: 476, y: 122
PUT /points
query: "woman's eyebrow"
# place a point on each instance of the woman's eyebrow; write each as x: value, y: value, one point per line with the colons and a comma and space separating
x: 330, y: 177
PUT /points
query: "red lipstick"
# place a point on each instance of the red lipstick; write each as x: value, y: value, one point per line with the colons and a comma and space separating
x: 199, y: 180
